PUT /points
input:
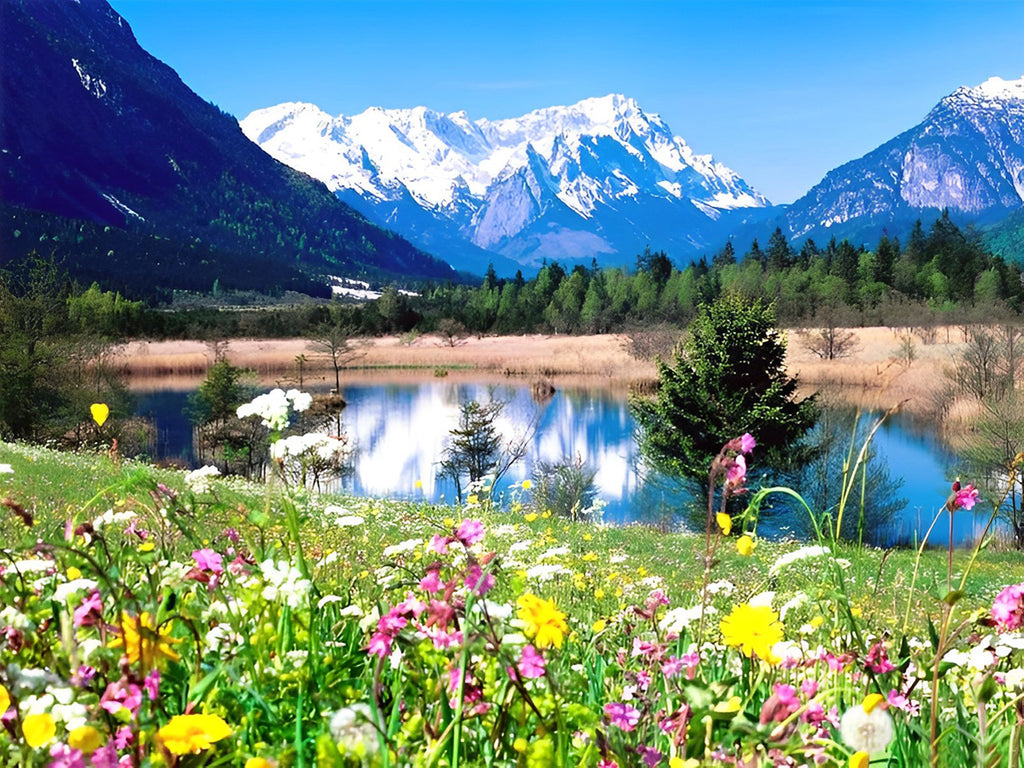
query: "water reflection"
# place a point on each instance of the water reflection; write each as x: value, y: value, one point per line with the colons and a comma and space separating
x: 400, y: 431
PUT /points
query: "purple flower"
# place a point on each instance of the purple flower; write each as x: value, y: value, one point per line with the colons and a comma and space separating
x: 89, y: 611
x: 747, y: 443
x: 1008, y: 608
x: 736, y: 472
x: 622, y: 715
x: 531, y: 663
x: 470, y: 532
x: 649, y: 755
x: 208, y: 560
x: 152, y: 684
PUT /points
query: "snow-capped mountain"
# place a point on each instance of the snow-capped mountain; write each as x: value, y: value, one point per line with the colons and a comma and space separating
x: 600, y: 178
x: 966, y: 155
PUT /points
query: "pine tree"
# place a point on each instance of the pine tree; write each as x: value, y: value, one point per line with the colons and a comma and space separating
x: 728, y: 378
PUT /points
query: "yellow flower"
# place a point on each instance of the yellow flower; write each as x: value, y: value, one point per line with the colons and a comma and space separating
x: 678, y: 762
x: 587, y: 537
x: 860, y: 760
x: 599, y: 594
x: 258, y: 762
x: 38, y: 729
x: 527, y: 484
x: 599, y: 625
x: 589, y: 557
x: 745, y: 545
x: 147, y: 546
x: 724, y: 522
x: 417, y: 484
x: 74, y: 573
x: 186, y: 734
x: 732, y: 704
x: 543, y: 623
x: 547, y: 514
x: 142, y: 641
x: 752, y: 629
x: 531, y: 516
x: 99, y: 412
x: 85, y: 739
x: 472, y: 499
x: 5, y: 700
x: 871, y: 701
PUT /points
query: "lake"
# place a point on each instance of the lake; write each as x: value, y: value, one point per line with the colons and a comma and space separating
x: 400, y: 431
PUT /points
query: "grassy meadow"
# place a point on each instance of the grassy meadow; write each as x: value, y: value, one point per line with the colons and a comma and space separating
x: 154, y: 617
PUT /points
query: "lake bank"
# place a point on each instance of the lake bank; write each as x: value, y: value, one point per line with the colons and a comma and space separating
x: 875, y: 374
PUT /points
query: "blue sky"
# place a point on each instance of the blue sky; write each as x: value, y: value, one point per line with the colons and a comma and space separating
x: 781, y: 92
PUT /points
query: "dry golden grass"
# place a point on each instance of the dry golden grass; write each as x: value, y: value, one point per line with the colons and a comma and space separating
x: 875, y: 375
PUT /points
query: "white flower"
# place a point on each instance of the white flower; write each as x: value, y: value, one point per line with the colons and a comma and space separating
x: 519, y: 546
x: 284, y: 582
x: 804, y: 553
x: 25, y: 567
x: 68, y: 588
x: 271, y: 407
x: 352, y: 726
x: 678, y: 619
x: 724, y: 586
x: 545, y: 572
x: 409, y: 545
x: 348, y: 521
x: 554, y: 553
x: 221, y: 639
x: 300, y: 400
x: 199, y: 479
x: 793, y: 603
x: 866, y: 731
x: 12, y: 617
x: 1015, y: 678
x: 764, y: 599
x: 6, y: 469
x: 110, y: 516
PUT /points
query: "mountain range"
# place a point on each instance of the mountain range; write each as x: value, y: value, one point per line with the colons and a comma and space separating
x: 598, y: 179
x: 109, y: 161
x: 95, y: 129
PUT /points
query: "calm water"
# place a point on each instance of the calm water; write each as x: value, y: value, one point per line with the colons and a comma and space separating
x: 399, y: 431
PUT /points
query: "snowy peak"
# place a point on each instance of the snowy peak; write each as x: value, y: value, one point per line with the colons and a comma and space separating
x: 993, y: 89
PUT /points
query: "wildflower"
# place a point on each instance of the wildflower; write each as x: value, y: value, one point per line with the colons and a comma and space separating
x: 258, y: 762
x: 478, y: 581
x: 470, y: 532
x: 208, y: 560
x: 5, y: 700
x: 38, y: 729
x: 85, y: 739
x: 724, y: 522
x: 1008, y: 608
x: 527, y: 484
x: 804, y: 553
x: 90, y: 610
x: 752, y: 629
x: 860, y: 760
x: 531, y: 663
x: 199, y: 479
x: 186, y: 734
x: 6, y: 469
x: 736, y: 471
x: 143, y: 641
x: 867, y: 727
x: 622, y: 715
x: 964, y: 497
x: 745, y: 545
x: 100, y: 412
x: 747, y: 443
x: 543, y: 623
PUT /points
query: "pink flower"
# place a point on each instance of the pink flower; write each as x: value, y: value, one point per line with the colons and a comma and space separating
x: 649, y: 755
x: 965, y: 497
x: 747, y: 443
x: 898, y: 701
x: 787, y: 695
x: 1008, y: 608
x: 152, y: 684
x: 380, y: 645
x: 478, y: 581
x: 431, y: 582
x: 672, y: 666
x: 622, y: 715
x: 208, y: 560
x: 89, y: 611
x: 878, y: 660
x: 605, y: 763
x: 809, y: 688
x: 440, y: 544
x: 470, y: 532
x: 736, y: 472
x: 531, y: 663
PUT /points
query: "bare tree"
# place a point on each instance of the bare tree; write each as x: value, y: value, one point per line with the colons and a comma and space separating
x: 830, y: 342
x: 452, y: 332
x: 334, y: 341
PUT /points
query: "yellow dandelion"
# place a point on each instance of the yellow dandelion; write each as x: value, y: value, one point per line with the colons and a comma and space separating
x: 5, y: 700
x: 542, y: 622
x: 530, y: 516
x: 860, y: 760
x: 745, y: 545
x: 527, y: 484
x: 190, y: 734
x: 142, y: 641
x: 258, y: 762
x: 100, y: 412
x: 752, y: 629
x: 724, y: 522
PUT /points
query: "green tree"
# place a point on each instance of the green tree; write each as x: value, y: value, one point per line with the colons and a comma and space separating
x: 726, y: 379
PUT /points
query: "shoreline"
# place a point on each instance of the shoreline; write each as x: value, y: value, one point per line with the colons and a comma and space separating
x: 877, y: 374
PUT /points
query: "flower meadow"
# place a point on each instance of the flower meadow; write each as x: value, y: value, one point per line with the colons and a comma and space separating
x: 149, y: 617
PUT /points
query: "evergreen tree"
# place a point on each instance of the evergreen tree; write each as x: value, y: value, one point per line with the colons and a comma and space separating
x: 780, y: 255
x: 727, y: 379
